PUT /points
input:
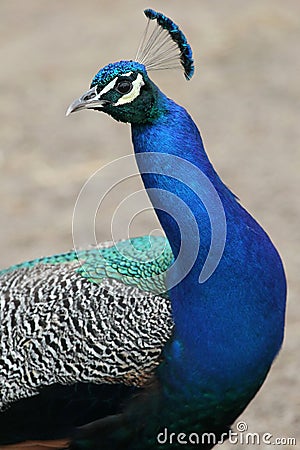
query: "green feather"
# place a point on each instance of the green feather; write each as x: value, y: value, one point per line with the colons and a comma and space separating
x: 140, y: 262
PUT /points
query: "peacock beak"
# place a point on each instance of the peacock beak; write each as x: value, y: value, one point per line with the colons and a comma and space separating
x: 89, y: 100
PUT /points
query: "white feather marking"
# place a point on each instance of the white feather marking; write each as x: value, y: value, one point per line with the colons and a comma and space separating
x: 108, y: 87
x: 134, y: 93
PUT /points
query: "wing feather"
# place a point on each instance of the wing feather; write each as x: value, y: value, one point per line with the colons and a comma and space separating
x: 59, y: 326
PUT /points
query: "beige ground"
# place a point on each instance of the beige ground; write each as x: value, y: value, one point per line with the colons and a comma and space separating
x: 245, y: 96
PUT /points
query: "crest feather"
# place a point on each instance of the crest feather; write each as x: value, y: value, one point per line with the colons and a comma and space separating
x: 166, y: 47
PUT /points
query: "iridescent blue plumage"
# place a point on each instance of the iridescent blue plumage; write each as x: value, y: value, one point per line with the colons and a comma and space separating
x: 188, y: 362
x: 112, y: 70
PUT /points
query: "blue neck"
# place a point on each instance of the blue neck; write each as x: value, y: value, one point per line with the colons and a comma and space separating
x: 229, y: 328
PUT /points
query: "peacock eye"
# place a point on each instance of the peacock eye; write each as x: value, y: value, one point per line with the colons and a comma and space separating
x: 124, y: 87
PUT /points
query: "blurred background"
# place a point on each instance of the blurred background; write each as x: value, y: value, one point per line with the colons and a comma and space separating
x: 245, y: 97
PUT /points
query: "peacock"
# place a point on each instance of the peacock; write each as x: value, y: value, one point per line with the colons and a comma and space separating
x: 152, y: 342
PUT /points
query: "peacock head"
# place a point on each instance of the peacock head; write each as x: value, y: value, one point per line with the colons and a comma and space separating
x: 124, y: 90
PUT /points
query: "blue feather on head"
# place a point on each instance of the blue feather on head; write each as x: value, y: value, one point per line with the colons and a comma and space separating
x: 112, y: 70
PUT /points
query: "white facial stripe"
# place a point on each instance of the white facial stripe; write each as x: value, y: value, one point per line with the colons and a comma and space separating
x: 108, y: 87
x: 111, y: 85
x: 134, y: 93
